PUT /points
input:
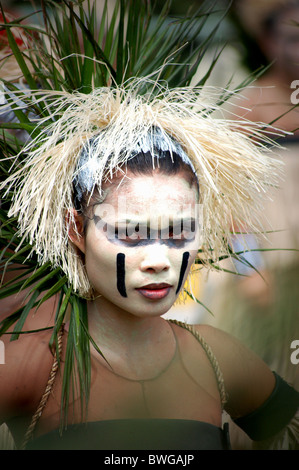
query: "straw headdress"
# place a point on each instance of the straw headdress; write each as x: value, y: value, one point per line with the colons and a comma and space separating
x: 233, y: 170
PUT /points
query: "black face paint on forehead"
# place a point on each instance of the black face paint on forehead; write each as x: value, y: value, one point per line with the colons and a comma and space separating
x: 120, y: 274
x: 184, y: 266
x: 135, y: 235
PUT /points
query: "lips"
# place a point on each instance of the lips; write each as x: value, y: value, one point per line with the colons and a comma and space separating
x: 155, y: 291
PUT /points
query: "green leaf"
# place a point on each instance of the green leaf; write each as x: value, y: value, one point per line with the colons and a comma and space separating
x: 11, y: 241
x: 77, y: 347
x: 7, y: 322
x: 41, y: 271
x: 53, y: 290
x: 120, y: 49
x: 20, y: 323
x: 18, y: 54
x: 198, y: 301
x: 25, y: 125
x: 98, y: 51
x: 20, y: 276
x: 94, y: 344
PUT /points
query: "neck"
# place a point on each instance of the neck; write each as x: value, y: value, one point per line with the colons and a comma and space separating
x: 111, y: 324
x: 134, y: 347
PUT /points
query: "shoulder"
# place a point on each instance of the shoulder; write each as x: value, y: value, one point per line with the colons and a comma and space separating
x: 248, y: 380
x: 250, y: 102
x: 24, y: 374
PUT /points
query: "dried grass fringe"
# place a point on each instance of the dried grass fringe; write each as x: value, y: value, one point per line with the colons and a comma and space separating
x: 235, y: 166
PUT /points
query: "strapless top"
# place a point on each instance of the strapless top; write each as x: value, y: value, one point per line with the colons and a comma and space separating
x: 136, y: 434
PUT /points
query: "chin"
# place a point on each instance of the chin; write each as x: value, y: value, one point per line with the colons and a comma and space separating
x: 136, y: 305
x: 152, y: 308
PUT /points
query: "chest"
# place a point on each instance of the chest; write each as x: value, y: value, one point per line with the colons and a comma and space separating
x: 183, y: 390
x: 186, y: 388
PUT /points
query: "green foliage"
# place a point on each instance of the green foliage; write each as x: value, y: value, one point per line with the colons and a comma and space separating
x: 77, y: 46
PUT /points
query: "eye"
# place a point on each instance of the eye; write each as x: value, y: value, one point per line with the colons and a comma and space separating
x: 182, y: 232
x: 129, y: 234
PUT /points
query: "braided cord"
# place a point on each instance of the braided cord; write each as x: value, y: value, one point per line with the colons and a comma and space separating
x: 211, y: 357
x: 46, y: 394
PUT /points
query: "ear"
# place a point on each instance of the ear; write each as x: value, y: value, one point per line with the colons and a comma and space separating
x: 75, y: 228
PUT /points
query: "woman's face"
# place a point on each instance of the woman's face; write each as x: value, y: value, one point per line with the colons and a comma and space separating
x: 142, y: 241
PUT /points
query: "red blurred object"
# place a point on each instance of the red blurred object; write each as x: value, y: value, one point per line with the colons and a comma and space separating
x: 3, y: 34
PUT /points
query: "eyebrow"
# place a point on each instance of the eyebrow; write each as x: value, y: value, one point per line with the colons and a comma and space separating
x: 183, y: 223
x: 138, y: 221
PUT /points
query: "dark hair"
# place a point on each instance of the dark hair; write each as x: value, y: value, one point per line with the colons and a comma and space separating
x: 164, y: 162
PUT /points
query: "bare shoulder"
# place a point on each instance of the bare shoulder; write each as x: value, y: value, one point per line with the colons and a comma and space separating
x: 24, y: 374
x: 248, y: 380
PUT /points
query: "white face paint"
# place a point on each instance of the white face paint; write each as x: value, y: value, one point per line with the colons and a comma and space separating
x: 141, y: 243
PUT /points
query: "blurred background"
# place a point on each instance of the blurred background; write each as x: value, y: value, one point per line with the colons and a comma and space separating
x: 259, y: 40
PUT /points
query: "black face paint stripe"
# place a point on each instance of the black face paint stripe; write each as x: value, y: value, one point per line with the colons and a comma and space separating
x: 183, y: 269
x: 121, y: 274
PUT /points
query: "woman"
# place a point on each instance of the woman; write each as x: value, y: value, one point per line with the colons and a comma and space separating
x: 125, y: 193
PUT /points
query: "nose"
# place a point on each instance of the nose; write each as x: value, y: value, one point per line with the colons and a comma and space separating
x: 155, y: 259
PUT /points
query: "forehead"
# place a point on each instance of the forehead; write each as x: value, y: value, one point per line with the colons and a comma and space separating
x: 154, y: 195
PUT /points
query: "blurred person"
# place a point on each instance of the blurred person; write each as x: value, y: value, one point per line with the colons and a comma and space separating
x: 261, y: 307
x: 274, y: 25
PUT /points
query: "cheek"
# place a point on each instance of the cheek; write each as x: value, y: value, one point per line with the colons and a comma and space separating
x: 109, y: 267
x: 112, y: 269
x: 121, y: 274
x: 186, y: 260
x: 100, y: 264
x: 183, y: 262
